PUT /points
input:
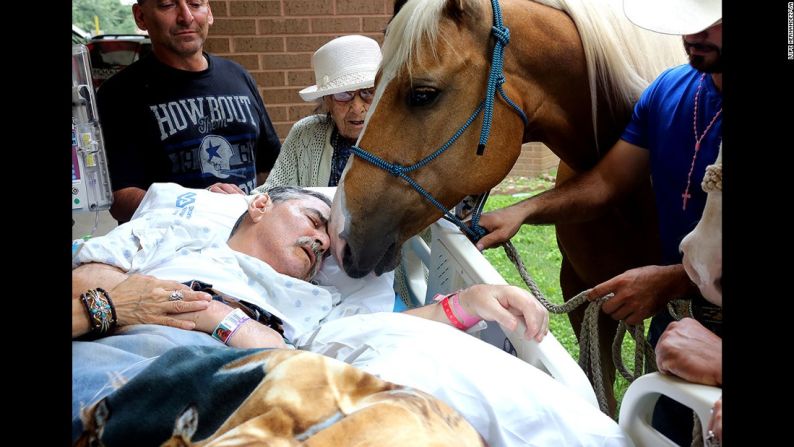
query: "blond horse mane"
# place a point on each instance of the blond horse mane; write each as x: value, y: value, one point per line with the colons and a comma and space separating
x: 620, y: 56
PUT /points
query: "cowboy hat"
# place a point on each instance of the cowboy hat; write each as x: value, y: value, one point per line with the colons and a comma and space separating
x: 680, y: 17
x: 344, y: 64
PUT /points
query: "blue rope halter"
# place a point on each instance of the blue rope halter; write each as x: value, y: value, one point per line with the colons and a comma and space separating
x: 495, y: 80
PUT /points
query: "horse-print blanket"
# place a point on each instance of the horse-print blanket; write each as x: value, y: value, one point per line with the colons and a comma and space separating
x: 213, y: 396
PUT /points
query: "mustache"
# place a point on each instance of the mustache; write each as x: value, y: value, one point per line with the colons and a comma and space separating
x: 700, y: 47
x: 316, y: 247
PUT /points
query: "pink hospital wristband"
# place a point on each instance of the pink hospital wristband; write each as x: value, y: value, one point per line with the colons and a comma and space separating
x: 456, y: 310
x: 469, y: 320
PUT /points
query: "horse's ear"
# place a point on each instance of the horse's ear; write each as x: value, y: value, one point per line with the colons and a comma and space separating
x: 398, y: 5
x: 457, y: 10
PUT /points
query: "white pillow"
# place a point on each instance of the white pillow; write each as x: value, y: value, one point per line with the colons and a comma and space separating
x: 220, y: 212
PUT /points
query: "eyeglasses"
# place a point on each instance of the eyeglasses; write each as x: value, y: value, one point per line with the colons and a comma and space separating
x: 366, y: 95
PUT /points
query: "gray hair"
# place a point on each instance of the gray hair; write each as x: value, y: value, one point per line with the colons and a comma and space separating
x: 281, y: 194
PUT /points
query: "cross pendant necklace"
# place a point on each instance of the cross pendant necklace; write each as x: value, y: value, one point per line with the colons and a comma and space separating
x: 686, y: 196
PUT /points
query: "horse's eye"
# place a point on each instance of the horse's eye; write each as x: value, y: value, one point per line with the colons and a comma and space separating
x: 422, y: 96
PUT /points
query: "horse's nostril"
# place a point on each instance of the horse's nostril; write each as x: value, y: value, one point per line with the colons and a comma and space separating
x: 352, y: 270
x: 347, y: 255
x: 351, y: 266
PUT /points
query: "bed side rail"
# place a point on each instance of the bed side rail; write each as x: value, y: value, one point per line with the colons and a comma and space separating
x: 452, y: 262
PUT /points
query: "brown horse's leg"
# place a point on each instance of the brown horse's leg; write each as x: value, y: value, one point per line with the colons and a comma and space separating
x: 572, y: 285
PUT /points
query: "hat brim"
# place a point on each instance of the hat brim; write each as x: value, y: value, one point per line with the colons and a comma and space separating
x: 313, y: 92
x: 677, y: 17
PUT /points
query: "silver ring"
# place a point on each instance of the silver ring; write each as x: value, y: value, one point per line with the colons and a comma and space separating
x: 176, y: 295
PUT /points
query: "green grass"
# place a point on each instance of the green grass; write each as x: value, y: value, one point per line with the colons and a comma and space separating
x: 537, y: 246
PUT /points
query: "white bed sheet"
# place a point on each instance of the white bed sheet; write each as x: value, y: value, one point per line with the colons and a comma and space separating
x: 508, y: 401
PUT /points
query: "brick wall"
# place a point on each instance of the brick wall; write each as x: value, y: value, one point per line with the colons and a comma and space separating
x: 535, y: 159
x: 275, y: 39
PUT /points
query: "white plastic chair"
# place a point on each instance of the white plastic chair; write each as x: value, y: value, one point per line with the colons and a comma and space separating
x: 636, y: 408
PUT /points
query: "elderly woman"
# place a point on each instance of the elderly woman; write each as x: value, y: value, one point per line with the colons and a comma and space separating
x: 317, y: 147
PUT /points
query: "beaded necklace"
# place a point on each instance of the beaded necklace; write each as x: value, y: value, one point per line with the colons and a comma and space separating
x: 686, y: 196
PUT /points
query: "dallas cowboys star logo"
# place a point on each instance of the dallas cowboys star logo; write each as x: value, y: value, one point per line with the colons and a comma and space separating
x: 212, y: 152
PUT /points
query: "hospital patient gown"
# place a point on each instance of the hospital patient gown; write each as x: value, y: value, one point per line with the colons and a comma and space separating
x: 172, y: 247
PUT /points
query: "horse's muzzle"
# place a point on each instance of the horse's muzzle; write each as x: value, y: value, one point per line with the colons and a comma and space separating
x: 378, y: 257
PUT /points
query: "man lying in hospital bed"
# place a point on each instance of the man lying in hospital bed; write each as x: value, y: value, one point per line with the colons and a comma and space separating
x: 181, y: 234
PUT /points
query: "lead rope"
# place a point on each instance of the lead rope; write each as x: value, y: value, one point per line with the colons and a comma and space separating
x: 589, y: 356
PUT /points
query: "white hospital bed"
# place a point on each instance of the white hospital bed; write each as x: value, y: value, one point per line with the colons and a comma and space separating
x: 451, y: 262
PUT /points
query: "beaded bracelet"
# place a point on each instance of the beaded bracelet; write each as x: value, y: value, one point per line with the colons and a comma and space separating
x: 229, y: 325
x: 101, y: 312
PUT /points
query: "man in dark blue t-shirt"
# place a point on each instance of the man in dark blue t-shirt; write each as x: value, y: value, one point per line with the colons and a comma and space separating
x: 181, y: 115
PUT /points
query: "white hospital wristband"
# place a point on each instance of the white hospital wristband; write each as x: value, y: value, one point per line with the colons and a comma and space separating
x: 229, y: 325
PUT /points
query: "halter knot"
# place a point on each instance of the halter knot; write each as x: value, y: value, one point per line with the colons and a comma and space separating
x: 502, y: 34
x: 479, y: 231
x: 395, y: 169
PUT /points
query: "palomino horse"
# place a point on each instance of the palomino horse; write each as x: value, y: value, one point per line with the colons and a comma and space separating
x: 566, y: 59
x: 702, y: 247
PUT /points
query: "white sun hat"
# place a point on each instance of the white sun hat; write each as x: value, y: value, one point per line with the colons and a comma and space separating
x: 679, y: 17
x: 344, y: 64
